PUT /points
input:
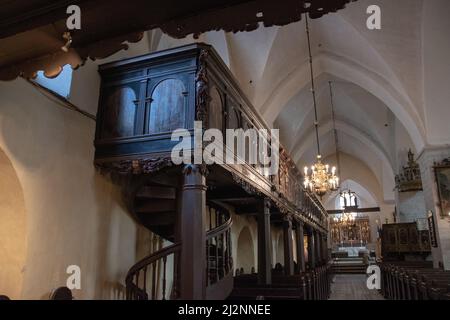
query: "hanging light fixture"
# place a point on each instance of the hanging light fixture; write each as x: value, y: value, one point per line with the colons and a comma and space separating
x: 345, y: 220
x: 321, y: 179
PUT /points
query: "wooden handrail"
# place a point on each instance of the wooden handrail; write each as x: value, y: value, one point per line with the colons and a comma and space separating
x: 220, y: 229
x: 152, y: 258
x: 134, y: 292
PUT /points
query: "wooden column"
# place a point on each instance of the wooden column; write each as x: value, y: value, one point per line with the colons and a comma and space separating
x: 264, y: 243
x: 192, y: 233
x: 288, y: 252
x: 299, y: 237
x: 317, y: 243
x: 311, y: 250
x: 325, y: 248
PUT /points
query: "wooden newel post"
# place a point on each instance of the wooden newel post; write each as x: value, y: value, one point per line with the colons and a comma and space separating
x: 288, y: 254
x: 192, y: 233
x: 299, y: 237
x: 264, y: 242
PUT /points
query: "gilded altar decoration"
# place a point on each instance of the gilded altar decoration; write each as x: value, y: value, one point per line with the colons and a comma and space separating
x: 410, y: 178
x: 355, y: 230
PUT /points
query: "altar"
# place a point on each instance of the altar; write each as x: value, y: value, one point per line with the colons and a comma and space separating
x: 353, y: 251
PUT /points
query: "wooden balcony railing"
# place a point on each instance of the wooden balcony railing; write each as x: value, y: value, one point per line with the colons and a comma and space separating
x: 144, y: 99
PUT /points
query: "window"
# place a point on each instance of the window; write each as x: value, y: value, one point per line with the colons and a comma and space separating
x: 347, y: 198
x: 59, y: 85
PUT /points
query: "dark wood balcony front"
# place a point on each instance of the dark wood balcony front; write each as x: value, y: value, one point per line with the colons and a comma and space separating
x: 143, y: 100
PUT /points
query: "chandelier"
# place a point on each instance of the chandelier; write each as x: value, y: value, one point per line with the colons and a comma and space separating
x: 320, y: 180
x: 345, y: 220
x: 349, y: 204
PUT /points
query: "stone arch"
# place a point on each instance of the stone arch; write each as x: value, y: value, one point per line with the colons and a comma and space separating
x: 363, y: 194
x: 245, y: 251
x: 12, y: 230
x: 280, y: 249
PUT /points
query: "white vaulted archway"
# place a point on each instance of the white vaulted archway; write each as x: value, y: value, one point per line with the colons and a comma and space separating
x: 13, y: 230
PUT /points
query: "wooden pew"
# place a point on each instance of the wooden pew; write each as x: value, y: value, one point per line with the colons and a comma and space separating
x: 311, y: 285
x: 414, y: 281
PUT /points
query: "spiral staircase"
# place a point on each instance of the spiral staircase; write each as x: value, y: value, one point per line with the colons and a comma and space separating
x: 156, y: 277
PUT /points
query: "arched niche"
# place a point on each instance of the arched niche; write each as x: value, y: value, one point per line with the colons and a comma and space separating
x: 13, y: 230
x: 119, y: 112
x: 245, y: 251
x: 167, y: 108
x: 280, y: 249
x: 215, y: 112
x: 233, y: 116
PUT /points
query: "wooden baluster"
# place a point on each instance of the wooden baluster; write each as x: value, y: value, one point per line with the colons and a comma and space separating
x: 210, y: 218
x: 223, y: 253
x: 174, y: 294
x: 217, y: 219
x: 164, y: 278
x: 137, y: 281
x: 230, y: 263
x: 208, y: 262
x: 217, y: 258
x: 154, y: 280
x: 228, y: 250
x: 145, y: 279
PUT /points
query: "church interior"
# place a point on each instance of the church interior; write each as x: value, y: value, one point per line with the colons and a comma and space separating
x: 354, y: 98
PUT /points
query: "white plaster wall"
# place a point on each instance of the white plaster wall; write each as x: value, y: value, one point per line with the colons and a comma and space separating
x: 411, y: 206
x: 436, y: 50
x: 239, y: 223
x: 74, y: 215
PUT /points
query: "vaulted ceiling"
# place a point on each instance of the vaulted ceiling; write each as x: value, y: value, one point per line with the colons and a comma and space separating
x: 377, y: 78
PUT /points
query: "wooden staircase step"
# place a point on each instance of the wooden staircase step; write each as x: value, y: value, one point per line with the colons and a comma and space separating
x: 156, y: 192
x: 155, y: 206
x: 161, y: 219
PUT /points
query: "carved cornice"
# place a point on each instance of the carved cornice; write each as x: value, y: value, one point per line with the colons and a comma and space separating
x: 135, y: 166
x: 248, y: 16
x: 131, y: 18
x: 52, y: 64
x: 247, y: 186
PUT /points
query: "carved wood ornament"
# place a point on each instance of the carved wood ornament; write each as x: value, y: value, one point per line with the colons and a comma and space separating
x: 202, y: 89
x: 138, y: 166
x: 107, y: 26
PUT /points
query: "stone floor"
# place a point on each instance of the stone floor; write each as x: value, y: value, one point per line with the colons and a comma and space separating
x: 352, y: 287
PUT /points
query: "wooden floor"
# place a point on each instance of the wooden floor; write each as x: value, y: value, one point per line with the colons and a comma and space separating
x: 352, y: 287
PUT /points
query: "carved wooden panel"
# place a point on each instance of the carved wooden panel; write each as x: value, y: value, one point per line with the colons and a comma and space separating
x: 424, y: 238
x: 167, y: 107
x: 404, y: 238
x: 119, y: 108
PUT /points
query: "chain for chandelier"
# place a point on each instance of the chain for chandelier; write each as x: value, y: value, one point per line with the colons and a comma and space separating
x: 321, y: 180
x: 348, y: 217
x: 313, y: 87
x: 336, y: 138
